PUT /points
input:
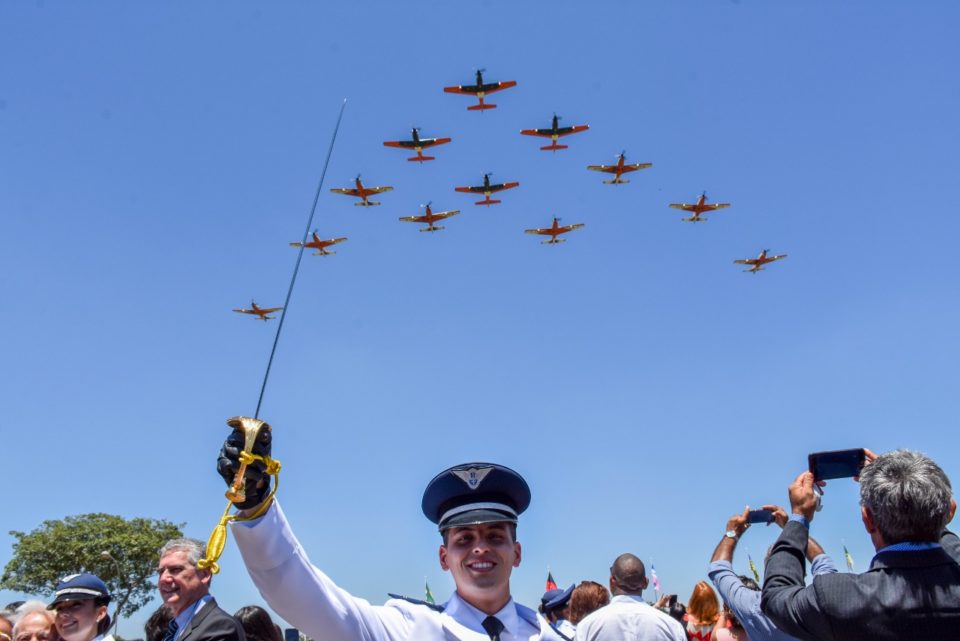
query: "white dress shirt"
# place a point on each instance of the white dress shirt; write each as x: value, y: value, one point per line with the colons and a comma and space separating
x: 628, y: 618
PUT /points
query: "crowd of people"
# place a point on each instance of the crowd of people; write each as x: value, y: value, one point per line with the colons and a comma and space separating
x: 910, y: 592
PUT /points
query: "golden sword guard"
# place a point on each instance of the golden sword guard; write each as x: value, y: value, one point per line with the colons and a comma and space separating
x: 251, y: 430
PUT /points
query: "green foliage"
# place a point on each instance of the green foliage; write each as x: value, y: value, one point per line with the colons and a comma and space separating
x: 77, y: 543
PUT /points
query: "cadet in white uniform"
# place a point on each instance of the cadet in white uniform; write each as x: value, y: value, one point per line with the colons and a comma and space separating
x: 475, y: 507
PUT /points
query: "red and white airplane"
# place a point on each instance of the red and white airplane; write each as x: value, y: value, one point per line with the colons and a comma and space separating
x: 430, y: 218
x: 756, y: 264
x: 418, y: 144
x: 260, y: 312
x: 362, y: 192
x: 698, y: 208
x: 619, y: 169
x: 553, y: 231
x: 481, y: 89
x: 319, y: 244
x: 554, y: 132
x: 486, y: 189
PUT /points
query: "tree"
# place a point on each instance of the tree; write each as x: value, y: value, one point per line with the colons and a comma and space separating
x: 79, y: 543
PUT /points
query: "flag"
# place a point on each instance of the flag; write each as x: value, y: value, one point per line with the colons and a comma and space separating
x: 654, y: 578
x: 753, y: 568
x: 429, y: 597
x: 551, y: 584
x: 846, y: 555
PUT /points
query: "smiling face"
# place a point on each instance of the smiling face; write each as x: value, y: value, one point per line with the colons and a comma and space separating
x: 180, y: 582
x: 481, y: 558
x: 77, y: 620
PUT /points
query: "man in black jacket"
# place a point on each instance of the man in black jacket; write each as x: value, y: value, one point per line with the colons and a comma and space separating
x: 912, y: 589
x: 185, y: 590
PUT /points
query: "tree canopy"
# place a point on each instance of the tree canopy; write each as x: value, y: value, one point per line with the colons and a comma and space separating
x: 78, y: 543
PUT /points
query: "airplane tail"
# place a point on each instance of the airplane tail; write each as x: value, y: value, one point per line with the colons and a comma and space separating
x: 324, y: 252
x: 616, y: 181
x: 420, y: 158
x: 553, y: 241
x: 437, y: 228
x: 694, y: 219
x: 553, y: 147
x: 487, y: 202
x: 481, y: 107
x: 366, y: 203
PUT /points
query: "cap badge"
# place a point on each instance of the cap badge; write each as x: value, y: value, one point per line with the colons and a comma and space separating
x: 69, y: 577
x: 473, y: 476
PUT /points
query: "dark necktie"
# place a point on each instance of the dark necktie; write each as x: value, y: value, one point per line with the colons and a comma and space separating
x: 493, y: 626
x: 171, y: 631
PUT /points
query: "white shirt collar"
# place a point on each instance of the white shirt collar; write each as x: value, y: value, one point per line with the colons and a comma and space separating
x: 508, y: 617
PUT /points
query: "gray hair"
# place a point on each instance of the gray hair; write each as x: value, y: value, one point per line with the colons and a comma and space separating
x: 28, y: 608
x: 192, y: 547
x: 908, y: 495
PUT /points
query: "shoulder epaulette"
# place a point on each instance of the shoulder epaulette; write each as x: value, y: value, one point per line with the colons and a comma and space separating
x: 410, y: 599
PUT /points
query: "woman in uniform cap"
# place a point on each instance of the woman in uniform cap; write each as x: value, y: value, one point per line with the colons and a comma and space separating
x: 80, y: 603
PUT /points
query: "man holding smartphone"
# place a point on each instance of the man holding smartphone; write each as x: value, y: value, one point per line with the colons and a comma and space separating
x: 912, y: 588
x: 741, y: 597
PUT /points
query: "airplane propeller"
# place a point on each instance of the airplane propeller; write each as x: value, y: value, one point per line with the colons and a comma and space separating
x: 427, y: 205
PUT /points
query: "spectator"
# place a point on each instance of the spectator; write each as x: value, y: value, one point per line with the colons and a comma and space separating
x: 742, y: 595
x: 703, y: 612
x: 912, y: 588
x: 34, y: 623
x: 6, y: 626
x: 729, y: 627
x: 156, y: 626
x: 555, y: 608
x: 80, y: 606
x: 627, y: 617
x: 587, y: 597
x: 257, y: 624
x: 185, y: 590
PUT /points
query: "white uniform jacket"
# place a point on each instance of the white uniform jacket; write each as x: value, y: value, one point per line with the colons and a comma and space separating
x: 309, y: 600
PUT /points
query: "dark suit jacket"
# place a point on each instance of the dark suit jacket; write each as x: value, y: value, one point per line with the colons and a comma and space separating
x: 904, y: 596
x: 213, y: 624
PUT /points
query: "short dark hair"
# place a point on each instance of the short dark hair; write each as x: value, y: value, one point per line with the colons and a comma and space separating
x: 257, y: 624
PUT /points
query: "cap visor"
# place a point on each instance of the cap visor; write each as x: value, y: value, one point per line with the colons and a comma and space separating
x: 477, y: 517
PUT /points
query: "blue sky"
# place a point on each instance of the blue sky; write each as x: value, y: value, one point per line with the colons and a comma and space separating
x: 157, y: 159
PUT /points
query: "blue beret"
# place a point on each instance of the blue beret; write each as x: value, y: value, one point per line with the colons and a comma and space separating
x: 79, y: 586
x: 475, y: 493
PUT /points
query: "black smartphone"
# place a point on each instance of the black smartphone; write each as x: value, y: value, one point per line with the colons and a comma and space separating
x: 760, y: 516
x: 672, y: 601
x: 840, y: 464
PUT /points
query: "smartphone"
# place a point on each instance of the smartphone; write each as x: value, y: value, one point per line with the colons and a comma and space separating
x: 760, y: 516
x: 839, y: 464
x: 672, y: 601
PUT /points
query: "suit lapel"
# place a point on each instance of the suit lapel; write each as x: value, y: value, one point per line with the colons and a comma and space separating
x: 198, y: 619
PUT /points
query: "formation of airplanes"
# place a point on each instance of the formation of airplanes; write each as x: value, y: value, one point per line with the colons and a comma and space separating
x: 480, y: 89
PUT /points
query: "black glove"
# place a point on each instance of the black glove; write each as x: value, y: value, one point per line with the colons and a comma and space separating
x: 256, y: 480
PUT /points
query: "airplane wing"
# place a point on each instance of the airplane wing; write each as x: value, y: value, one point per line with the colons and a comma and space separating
x: 637, y: 165
x: 346, y: 192
x: 571, y: 227
x: 471, y: 90
x: 715, y: 206
x: 490, y: 87
x: 335, y: 241
x: 292, y: 245
x: 612, y: 169
x: 413, y: 219
x: 269, y: 310
x: 432, y: 142
x: 545, y: 231
x: 546, y: 133
x: 502, y: 186
x: 446, y: 214
x: 244, y: 311
x: 379, y: 190
x: 402, y: 144
x: 470, y: 190
x: 566, y: 131
x: 746, y: 261
x: 773, y: 258
x: 683, y: 206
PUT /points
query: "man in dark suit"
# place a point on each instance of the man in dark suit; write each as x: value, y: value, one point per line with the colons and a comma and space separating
x: 912, y: 589
x: 185, y: 590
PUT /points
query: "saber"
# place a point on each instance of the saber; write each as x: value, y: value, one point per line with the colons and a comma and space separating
x: 253, y: 427
x: 296, y: 267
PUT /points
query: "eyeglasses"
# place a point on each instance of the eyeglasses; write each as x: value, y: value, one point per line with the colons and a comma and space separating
x: 39, y: 636
x: 5, y: 637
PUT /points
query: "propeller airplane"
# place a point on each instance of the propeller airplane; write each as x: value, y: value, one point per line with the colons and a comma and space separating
x: 486, y: 189
x: 553, y: 231
x: 698, y: 208
x: 554, y: 132
x: 417, y: 144
x: 364, y: 193
x: 430, y: 218
x: 480, y: 90
x: 619, y: 169
x: 260, y: 312
x: 756, y: 264
x: 319, y: 244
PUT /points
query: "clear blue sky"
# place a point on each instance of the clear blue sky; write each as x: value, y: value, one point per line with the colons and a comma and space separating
x: 156, y: 159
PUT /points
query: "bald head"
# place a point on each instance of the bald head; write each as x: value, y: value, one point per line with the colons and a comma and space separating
x: 627, y: 575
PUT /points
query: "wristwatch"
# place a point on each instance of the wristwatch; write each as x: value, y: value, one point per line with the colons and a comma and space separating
x: 731, y: 534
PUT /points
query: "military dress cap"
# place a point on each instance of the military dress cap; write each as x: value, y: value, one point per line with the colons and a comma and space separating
x: 560, y: 599
x: 79, y: 586
x: 549, y: 595
x: 475, y: 493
